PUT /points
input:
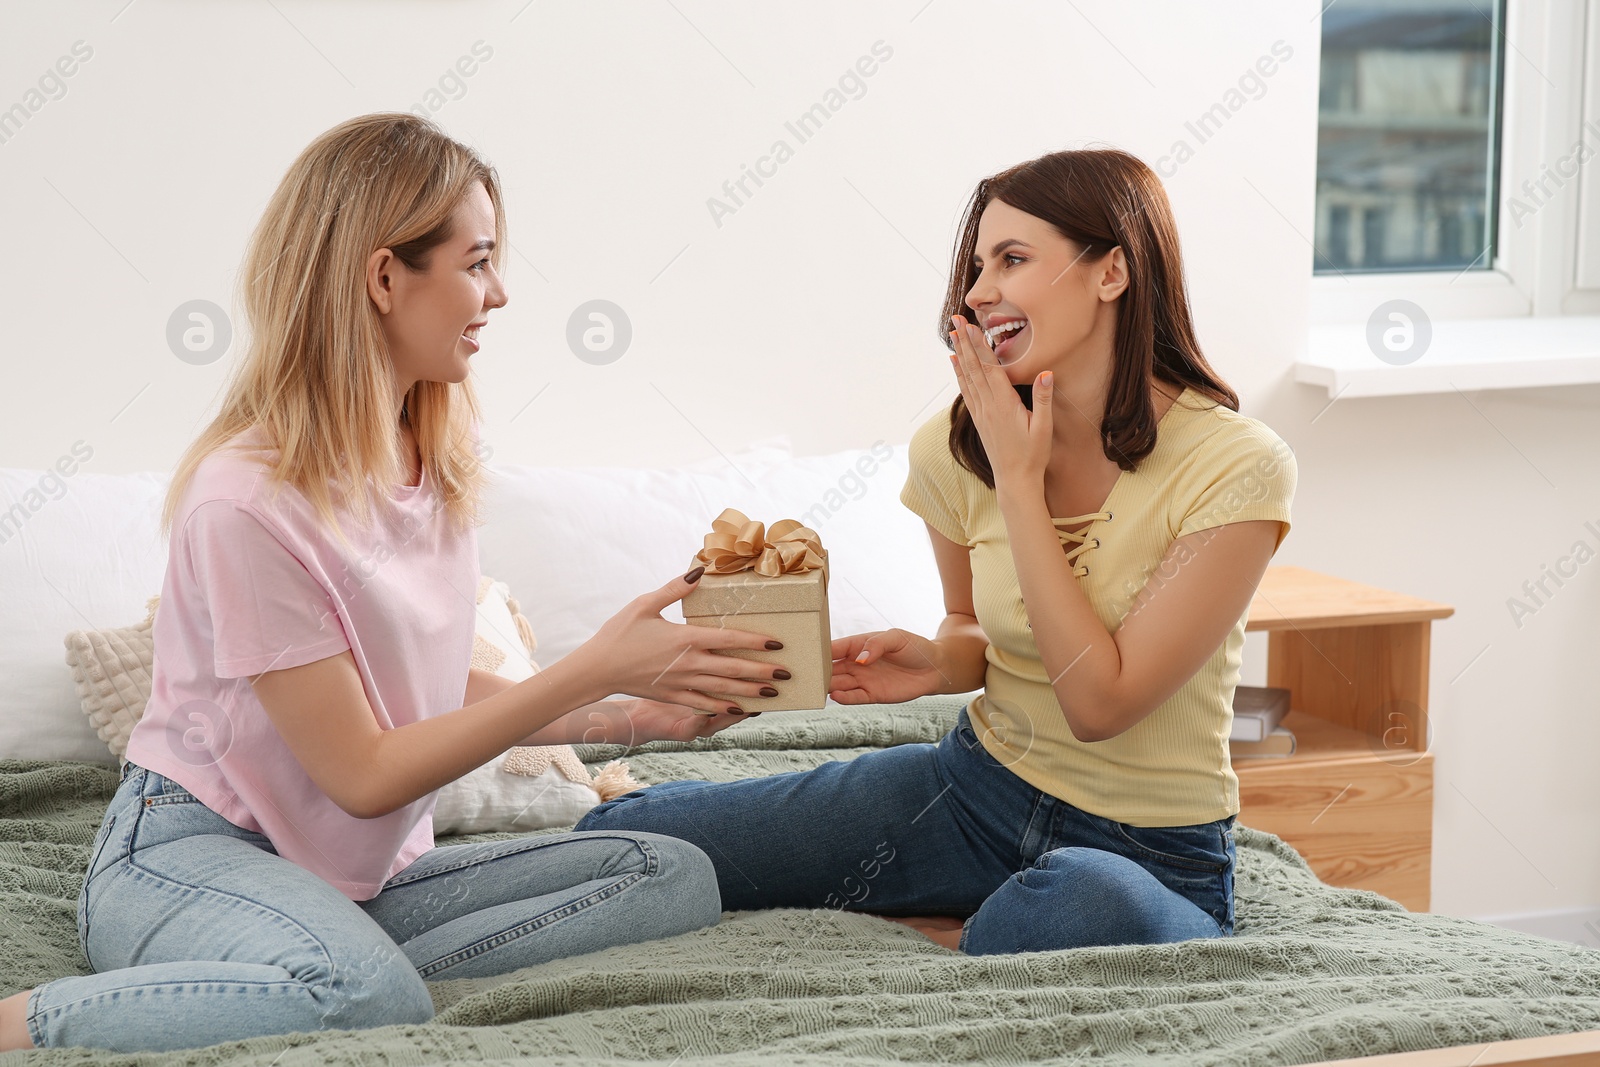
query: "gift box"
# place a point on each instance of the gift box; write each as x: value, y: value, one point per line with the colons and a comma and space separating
x: 772, y: 582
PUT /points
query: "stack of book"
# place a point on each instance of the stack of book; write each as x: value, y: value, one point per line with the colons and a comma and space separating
x: 1257, y: 713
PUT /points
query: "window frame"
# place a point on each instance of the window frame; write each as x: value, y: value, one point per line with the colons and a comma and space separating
x: 1547, y: 265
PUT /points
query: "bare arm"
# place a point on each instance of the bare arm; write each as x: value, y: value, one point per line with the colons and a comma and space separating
x: 960, y: 640
x: 482, y: 684
x: 585, y: 725
x: 321, y: 709
x: 322, y: 712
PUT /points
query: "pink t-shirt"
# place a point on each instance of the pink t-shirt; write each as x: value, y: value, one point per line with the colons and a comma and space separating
x: 256, y: 583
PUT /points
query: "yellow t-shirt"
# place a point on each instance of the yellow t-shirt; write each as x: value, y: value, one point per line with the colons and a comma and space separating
x: 1210, y: 466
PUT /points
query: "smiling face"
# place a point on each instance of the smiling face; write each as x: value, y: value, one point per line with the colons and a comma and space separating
x: 431, y: 318
x: 1043, y: 304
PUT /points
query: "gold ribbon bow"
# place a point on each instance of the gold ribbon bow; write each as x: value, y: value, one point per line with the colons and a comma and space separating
x: 735, y: 543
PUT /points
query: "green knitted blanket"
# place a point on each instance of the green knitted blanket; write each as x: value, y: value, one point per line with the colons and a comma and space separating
x: 1312, y: 972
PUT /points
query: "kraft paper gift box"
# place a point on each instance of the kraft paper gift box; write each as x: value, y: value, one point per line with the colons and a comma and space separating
x: 773, y: 582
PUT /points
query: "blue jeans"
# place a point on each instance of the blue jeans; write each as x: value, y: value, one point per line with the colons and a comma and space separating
x: 945, y: 829
x: 200, y: 932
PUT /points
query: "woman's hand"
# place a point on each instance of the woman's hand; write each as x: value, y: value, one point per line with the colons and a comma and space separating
x: 886, y: 667
x: 639, y: 653
x: 651, y: 720
x: 635, y: 721
x: 1016, y: 440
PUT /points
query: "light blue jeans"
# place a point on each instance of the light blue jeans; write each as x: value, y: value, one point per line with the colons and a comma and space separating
x: 945, y: 829
x: 200, y: 932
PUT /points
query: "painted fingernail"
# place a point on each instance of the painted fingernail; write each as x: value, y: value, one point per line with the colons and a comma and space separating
x: 768, y: 691
x: 694, y: 575
x: 863, y: 657
x: 735, y: 711
x: 753, y: 714
x: 774, y: 645
x: 782, y: 675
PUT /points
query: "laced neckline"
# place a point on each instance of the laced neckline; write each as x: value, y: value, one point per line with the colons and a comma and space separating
x: 1083, y: 541
x: 1075, y: 545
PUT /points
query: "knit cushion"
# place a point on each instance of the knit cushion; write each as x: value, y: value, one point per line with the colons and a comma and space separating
x: 111, y: 669
x: 525, y: 788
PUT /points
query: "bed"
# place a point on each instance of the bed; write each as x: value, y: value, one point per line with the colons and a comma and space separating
x: 1313, y: 973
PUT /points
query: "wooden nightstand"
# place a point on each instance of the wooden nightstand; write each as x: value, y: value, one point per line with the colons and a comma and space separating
x: 1356, y: 798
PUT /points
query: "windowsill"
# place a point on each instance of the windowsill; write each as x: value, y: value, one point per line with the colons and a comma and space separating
x: 1463, y: 354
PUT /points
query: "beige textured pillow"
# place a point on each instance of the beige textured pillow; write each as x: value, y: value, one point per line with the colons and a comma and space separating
x: 112, y: 670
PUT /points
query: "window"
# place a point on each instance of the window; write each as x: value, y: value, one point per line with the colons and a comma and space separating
x: 1457, y: 193
x: 1408, y: 135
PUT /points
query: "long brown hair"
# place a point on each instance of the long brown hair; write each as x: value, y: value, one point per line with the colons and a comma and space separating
x: 1099, y: 198
x: 317, y: 376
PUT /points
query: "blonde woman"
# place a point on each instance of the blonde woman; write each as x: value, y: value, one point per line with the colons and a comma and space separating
x: 267, y: 864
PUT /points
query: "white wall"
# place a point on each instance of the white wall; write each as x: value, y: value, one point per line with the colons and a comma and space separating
x: 810, y: 310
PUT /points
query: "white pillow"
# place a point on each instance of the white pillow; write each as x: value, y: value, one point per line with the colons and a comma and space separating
x: 76, y: 552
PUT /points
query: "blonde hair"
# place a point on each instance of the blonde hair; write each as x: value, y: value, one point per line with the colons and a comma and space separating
x: 317, y: 377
